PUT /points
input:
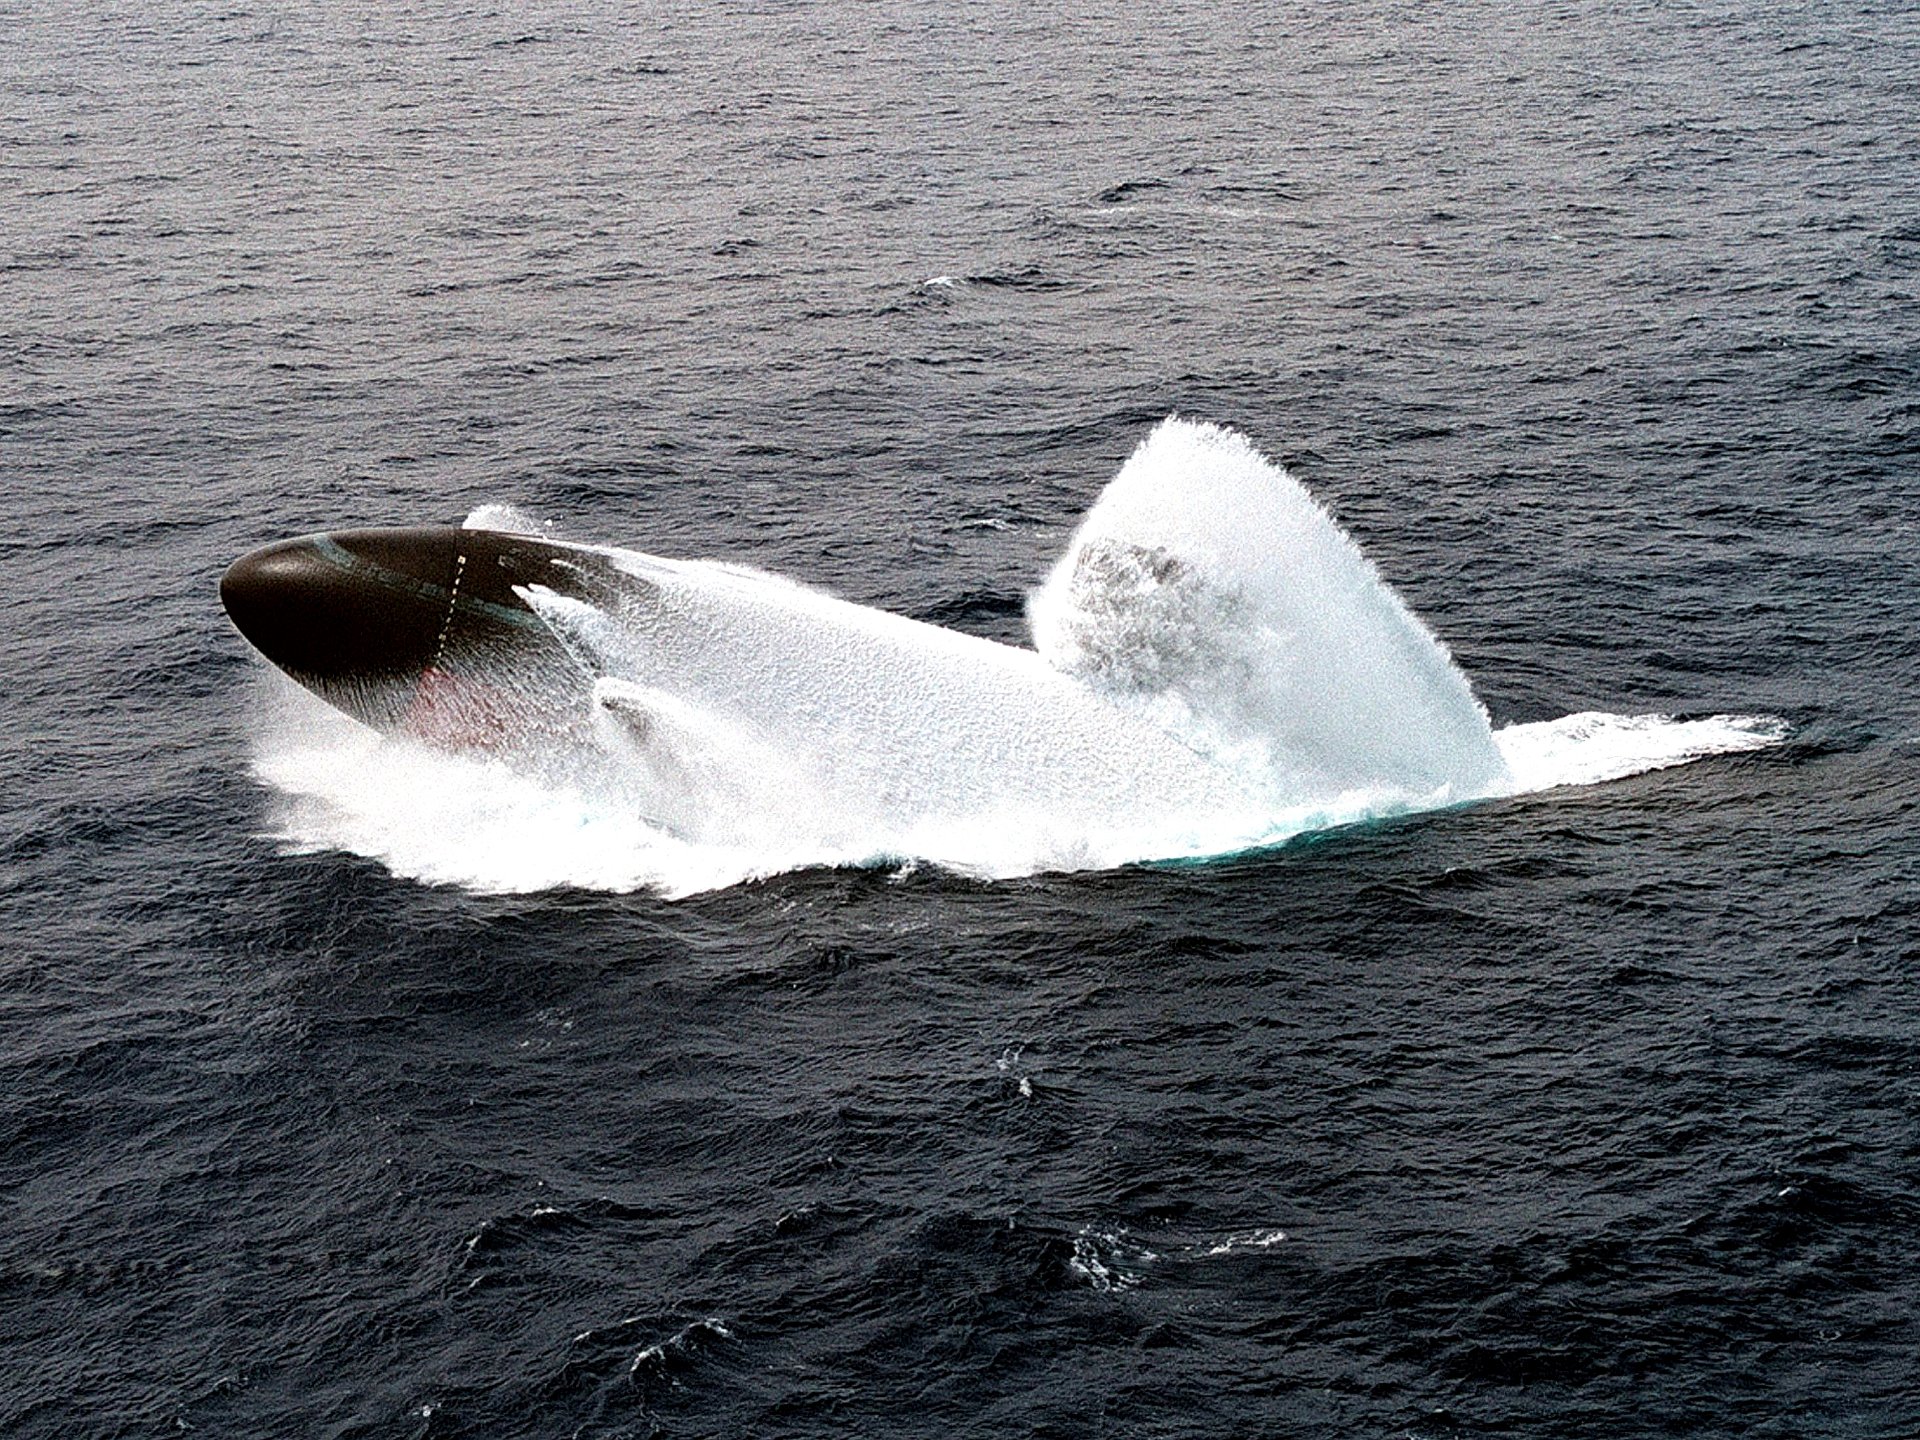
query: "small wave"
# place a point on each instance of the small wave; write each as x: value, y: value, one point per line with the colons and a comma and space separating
x: 1255, y: 1240
x: 1011, y: 1072
x: 1107, y: 1260
x: 659, y: 1357
x: 1127, y: 189
x: 1027, y: 277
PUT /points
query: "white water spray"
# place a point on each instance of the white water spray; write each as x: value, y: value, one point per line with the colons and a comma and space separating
x: 1208, y: 589
x: 1217, y: 667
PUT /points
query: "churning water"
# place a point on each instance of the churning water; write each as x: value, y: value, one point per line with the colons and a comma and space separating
x: 359, y: 1089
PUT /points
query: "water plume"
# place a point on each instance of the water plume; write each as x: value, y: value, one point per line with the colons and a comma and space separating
x: 1206, y: 587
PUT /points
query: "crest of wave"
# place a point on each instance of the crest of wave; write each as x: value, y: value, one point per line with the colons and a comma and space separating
x: 1217, y: 666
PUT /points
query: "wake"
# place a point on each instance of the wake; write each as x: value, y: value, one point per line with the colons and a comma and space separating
x: 1217, y: 667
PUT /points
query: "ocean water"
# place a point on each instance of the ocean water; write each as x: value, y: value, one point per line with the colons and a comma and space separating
x: 1581, y: 1112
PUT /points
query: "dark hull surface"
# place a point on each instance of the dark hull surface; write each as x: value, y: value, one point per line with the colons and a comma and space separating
x: 420, y: 628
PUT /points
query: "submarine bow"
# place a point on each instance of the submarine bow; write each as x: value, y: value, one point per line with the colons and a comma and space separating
x: 387, y: 624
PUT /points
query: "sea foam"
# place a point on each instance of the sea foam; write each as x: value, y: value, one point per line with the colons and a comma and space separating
x: 1217, y: 667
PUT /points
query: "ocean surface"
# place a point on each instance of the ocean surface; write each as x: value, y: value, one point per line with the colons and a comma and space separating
x: 1588, y: 1112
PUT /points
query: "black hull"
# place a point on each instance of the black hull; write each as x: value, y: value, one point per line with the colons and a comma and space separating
x: 419, y: 628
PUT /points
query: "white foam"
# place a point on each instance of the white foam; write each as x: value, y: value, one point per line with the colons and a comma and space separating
x: 508, y: 519
x: 1107, y: 1260
x: 1257, y: 1240
x: 1218, y: 668
x: 466, y: 820
x: 1591, y: 747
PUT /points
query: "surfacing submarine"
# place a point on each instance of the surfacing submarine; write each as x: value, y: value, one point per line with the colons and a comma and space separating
x: 1212, y: 666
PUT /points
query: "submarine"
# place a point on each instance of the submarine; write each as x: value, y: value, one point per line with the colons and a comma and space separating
x: 422, y: 630
x: 1213, y: 666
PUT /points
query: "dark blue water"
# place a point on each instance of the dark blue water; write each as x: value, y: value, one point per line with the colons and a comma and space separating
x: 1585, y: 1114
